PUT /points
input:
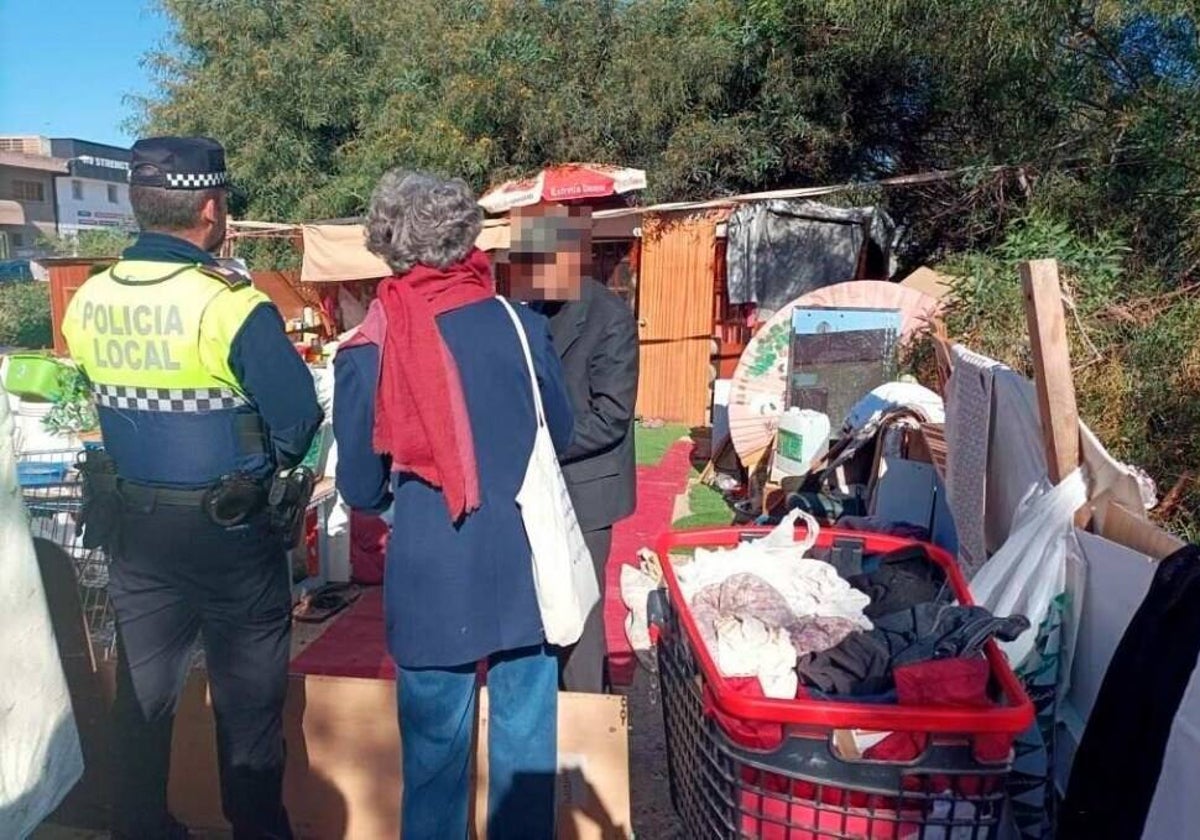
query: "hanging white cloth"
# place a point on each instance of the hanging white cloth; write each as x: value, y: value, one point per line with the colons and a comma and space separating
x: 40, y: 755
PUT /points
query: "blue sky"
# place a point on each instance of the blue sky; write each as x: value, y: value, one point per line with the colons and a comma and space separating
x: 66, y: 65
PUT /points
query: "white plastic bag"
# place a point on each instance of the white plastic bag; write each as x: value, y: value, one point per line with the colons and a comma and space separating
x: 563, y: 575
x: 810, y: 587
x: 1030, y: 569
x: 637, y: 582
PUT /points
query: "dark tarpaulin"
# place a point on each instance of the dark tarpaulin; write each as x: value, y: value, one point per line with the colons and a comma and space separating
x: 780, y: 249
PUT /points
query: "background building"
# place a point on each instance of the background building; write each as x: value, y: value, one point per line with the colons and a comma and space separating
x: 95, y: 193
x: 59, y: 186
x: 27, y: 195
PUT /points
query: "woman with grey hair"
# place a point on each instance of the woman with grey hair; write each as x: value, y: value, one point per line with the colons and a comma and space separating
x: 434, y: 418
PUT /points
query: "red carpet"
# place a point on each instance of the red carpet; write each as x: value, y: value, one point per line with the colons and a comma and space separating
x: 354, y: 645
x: 658, y: 487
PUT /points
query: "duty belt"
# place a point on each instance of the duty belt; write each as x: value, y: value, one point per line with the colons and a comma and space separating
x: 146, y: 496
x: 229, y: 502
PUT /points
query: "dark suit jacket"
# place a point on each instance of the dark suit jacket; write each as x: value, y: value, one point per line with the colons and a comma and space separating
x: 597, y: 338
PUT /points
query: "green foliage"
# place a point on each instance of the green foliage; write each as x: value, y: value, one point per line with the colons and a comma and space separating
x: 1097, y: 104
x: 1091, y: 112
x: 88, y: 243
x: 74, y: 409
x: 25, y: 316
x: 1134, y: 342
x: 990, y: 308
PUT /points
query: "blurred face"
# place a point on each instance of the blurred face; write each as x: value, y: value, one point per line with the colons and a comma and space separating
x: 550, y: 251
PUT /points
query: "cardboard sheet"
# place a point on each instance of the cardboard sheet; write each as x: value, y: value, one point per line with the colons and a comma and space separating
x: 343, y: 775
x: 930, y: 282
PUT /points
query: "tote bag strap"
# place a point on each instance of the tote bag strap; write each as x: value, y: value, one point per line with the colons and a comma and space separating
x: 533, y: 380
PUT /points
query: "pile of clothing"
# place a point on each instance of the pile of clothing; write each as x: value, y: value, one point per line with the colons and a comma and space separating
x: 786, y: 620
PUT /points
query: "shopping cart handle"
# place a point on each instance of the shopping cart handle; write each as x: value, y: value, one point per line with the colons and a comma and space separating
x: 658, y: 607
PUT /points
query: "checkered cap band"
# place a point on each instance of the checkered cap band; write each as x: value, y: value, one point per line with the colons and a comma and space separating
x: 196, y: 181
x: 179, y: 400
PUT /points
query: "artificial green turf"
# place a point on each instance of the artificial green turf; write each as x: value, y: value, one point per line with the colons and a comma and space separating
x: 652, y: 444
x: 708, y: 508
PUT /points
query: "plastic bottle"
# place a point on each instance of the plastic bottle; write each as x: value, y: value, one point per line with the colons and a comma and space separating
x: 802, y: 435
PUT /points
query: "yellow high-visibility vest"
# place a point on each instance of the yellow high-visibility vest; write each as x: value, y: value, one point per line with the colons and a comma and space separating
x: 152, y: 331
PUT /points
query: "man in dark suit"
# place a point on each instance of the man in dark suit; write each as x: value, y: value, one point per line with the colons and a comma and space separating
x: 596, y: 336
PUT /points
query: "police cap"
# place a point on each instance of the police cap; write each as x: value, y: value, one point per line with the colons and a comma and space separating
x: 178, y: 163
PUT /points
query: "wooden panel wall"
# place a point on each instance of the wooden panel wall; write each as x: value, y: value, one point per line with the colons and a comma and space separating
x: 675, y: 311
x: 66, y: 276
x: 287, y: 292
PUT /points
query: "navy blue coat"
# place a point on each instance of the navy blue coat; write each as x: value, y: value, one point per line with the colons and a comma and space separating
x: 456, y: 595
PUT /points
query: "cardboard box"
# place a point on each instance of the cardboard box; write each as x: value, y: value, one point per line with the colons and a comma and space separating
x: 343, y: 776
x: 929, y: 282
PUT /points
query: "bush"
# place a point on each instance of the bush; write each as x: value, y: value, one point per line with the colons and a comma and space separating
x: 25, y: 316
x: 1134, y: 341
x: 88, y: 243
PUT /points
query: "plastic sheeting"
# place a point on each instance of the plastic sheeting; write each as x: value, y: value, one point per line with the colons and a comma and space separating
x: 40, y: 755
x: 780, y: 249
x: 996, y: 458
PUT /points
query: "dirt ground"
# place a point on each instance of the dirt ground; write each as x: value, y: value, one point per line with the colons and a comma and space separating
x: 650, y: 791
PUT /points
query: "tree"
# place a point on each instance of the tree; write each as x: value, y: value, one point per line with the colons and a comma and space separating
x: 1095, y: 105
x: 87, y: 243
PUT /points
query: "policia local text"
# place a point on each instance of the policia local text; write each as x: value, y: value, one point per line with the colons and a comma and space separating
x: 153, y: 323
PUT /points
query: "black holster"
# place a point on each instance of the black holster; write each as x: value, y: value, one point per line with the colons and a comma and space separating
x: 100, y: 515
x: 291, y: 491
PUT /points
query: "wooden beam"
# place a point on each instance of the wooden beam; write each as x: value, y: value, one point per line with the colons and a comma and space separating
x: 1047, y: 320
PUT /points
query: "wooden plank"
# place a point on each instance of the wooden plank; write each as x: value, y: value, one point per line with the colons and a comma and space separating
x: 1046, y: 316
x: 66, y: 277
x: 1136, y: 533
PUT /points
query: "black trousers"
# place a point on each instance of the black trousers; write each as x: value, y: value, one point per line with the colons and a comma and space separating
x: 176, y: 576
x: 583, y: 664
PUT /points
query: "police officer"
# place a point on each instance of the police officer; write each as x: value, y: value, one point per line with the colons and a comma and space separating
x: 198, y: 391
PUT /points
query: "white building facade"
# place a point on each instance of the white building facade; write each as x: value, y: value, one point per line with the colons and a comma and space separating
x: 95, y: 193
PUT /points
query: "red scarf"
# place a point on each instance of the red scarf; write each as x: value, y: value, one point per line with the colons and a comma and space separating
x: 420, y: 413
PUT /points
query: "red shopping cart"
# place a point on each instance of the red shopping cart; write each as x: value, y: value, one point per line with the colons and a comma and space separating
x: 746, y: 766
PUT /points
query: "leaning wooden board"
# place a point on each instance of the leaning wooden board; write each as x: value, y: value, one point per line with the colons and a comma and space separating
x: 343, y: 773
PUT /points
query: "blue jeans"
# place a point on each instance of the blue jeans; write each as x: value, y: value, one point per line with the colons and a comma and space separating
x: 437, y: 722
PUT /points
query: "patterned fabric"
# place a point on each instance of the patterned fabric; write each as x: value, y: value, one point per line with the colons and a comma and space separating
x: 968, y: 435
x: 197, y: 181
x: 1031, y: 782
x: 188, y: 400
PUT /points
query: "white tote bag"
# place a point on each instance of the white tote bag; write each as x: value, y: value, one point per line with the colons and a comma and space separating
x: 563, y: 574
